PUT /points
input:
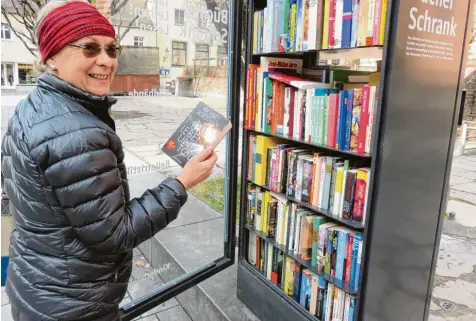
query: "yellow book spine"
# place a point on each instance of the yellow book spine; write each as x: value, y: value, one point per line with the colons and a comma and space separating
x: 339, y: 180
x: 383, y: 22
x: 262, y: 145
x: 292, y: 28
x: 325, y: 27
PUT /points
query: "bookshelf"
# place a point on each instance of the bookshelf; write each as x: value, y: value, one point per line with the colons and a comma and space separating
x: 332, y: 209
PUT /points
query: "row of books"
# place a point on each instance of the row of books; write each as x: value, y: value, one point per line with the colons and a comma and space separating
x: 338, y: 187
x: 302, y: 25
x: 327, y: 246
x: 313, y: 292
x: 314, y: 112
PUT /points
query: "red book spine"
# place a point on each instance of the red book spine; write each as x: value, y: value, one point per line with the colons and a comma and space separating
x: 348, y: 262
x: 359, y: 201
x: 248, y: 95
x: 364, y: 120
x: 332, y: 120
x: 377, y: 20
x: 332, y: 23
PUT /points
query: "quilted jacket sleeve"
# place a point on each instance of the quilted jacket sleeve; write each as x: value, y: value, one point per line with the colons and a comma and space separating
x: 86, y: 183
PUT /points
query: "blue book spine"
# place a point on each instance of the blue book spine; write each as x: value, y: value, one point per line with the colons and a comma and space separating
x: 355, y: 22
x: 355, y: 270
x: 342, y: 120
x: 351, y: 310
x: 347, y: 24
x: 348, y: 120
x: 339, y: 258
x: 340, y: 131
x: 297, y: 285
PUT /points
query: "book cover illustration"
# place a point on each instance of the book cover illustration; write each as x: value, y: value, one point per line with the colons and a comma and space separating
x: 203, y: 126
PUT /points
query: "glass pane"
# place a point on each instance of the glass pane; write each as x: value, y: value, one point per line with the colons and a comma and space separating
x: 184, y: 64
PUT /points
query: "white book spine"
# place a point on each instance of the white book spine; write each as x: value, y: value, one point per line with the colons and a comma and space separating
x: 312, y: 25
x: 297, y: 233
x: 308, y: 114
x: 370, y: 21
x: 338, y: 24
x: 321, y: 183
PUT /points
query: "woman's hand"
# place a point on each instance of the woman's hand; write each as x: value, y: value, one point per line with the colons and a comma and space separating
x: 198, y: 168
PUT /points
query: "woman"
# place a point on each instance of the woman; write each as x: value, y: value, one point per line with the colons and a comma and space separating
x: 63, y: 171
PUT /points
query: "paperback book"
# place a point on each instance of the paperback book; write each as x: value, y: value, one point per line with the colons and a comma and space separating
x: 203, y: 126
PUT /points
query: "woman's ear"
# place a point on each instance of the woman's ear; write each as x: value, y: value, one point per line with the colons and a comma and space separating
x: 50, y: 63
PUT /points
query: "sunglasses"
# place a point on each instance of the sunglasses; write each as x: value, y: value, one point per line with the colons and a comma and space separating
x: 91, y: 50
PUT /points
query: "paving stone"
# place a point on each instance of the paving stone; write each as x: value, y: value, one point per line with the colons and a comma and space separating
x: 173, y: 314
x: 466, y: 187
x: 455, y: 180
x: 456, y: 257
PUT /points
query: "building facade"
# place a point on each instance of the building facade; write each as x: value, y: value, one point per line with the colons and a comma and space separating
x: 16, y: 60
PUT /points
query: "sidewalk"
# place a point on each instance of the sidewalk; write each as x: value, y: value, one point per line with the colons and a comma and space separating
x: 454, y: 294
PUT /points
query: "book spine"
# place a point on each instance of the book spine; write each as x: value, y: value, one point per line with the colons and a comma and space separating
x: 339, y: 7
x: 348, y: 121
x: 347, y: 24
x: 363, y: 119
x: 355, y: 23
x: 383, y: 22
x: 348, y: 265
x: 325, y: 28
x: 312, y: 25
x: 376, y: 22
x: 373, y: 105
x: 332, y: 23
x: 370, y: 23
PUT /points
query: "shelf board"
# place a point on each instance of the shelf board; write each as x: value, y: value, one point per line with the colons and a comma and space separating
x: 306, y: 263
x: 330, y: 54
x: 342, y: 151
x: 352, y: 224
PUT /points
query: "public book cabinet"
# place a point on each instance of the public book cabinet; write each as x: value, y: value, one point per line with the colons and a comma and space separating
x: 345, y: 171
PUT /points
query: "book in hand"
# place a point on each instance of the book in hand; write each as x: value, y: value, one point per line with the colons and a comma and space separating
x: 203, y: 126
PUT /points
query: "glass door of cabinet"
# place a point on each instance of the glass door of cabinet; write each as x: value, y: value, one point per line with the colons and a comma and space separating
x: 188, y: 39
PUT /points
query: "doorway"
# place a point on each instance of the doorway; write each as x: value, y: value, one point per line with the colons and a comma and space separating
x: 8, y: 76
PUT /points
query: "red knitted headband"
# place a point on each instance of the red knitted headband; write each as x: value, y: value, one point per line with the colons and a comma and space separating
x: 69, y: 23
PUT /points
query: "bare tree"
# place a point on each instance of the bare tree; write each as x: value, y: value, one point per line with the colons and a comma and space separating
x: 23, y: 12
x: 216, y: 10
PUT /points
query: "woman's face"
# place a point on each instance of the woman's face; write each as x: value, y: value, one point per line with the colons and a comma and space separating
x: 90, y: 72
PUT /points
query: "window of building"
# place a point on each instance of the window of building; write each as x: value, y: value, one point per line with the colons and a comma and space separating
x: 203, y: 20
x: 6, y: 32
x: 179, y: 17
x: 138, y: 41
x: 179, y: 53
x: 222, y: 55
x: 201, y: 55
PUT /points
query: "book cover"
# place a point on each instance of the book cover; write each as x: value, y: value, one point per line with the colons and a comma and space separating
x: 203, y: 126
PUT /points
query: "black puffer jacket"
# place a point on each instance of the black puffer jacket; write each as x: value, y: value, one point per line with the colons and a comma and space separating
x: 63, y: 171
